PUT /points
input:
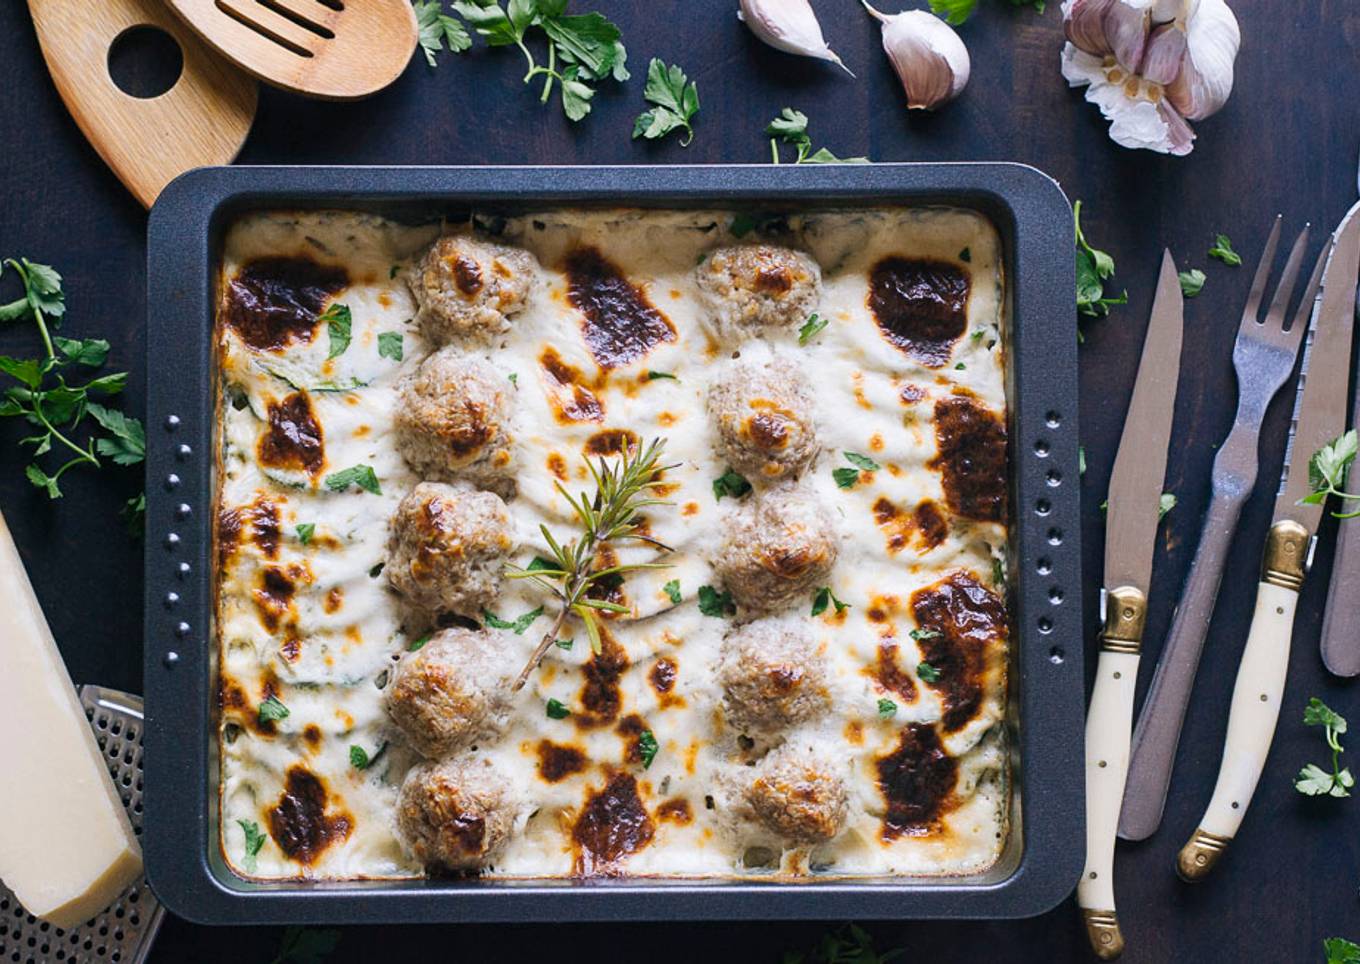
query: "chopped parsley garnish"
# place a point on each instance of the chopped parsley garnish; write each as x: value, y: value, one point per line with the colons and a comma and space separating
x: 358, y: 757
x: 791, y: 126
x: 919, y: 634
x: 960, y: 367
x: 1165, y: 504
x: 339, y: 322
x: 998, y: 572
x: 1094, y: 268
x: 714, y: 603
x: 845, y: 478
x: 1223, y: 250
x: 672, y: 590
x: 1192, y: 282
x: 436, y: 29
x: 654, y: 375
x: 812, y: 328
x: 514, y: 378
x: 677, y: 101
x: 647, y: 747
x: 966, y: 255
x: 418, y: 644
x: 927, y: 672
x: 361, y: 475
x: 272, y: 710
x: 254, y: 843
x: 825, y: 597
x: 557, y: 710
x: 978, y: 333
x: 539, y: 564
x: 742, y: 225
x: 1328, y: 469
x: 848, y: 478
x: 730, y: 483
x: 516, y: 626
x: 391, y: 344
x: 565, y: 643
x: 887, y: 709
x: 305, y: 531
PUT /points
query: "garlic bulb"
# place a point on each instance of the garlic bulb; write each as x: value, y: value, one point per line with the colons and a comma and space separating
x: 790, y: 26
x: 930, y: 59
x: 1151, y: 65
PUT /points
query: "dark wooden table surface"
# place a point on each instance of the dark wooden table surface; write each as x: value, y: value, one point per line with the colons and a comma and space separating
x: 1286, y: 142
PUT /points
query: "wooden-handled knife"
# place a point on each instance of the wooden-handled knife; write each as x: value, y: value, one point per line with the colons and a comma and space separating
x: 1319, y: 416
x: 1130, y: 541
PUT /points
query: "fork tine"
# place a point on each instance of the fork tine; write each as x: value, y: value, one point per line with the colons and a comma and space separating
x: 1258, y: 283
x: 1285, y: 289
x: 1301, y: 314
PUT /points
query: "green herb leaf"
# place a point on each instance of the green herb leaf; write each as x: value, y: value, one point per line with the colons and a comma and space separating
x: 672, y: 590
x: 576, y: 94
x: 676, y: 99
x: 653, y: 376
x: 1328, y: 470
x: 1094, y: 268
x: 966, y: 255
x: 845, y: 478
x: 861, y: 461
x: 1223, y: 250
x: 517, y: 625
x: 1081, y: 460
x: 1165, y: 504
x: 812, y: 328
x: 791, y: 126
x: 730, y: 483
x: 960, y: 367
x: 647, y: 747
x: 391, y: 344
x: 824, y: 597
x: 272, y: 710
x: 714, y: 603
x: 489, y: 21
x: 305, y: 531
x: 27, y: 370
x: 927, y: 672
x: 339, y: 323
x: 1192, y: 282
x: 436, y: 29
x: 539, y: 564
x: 565, y: 644
x: 361, y: 475
x: 742, y: 225
x: 887, y: 709
x: 1341, y: 951
x: 418, y: 644
x: 254, y: 843
x: 557, y: 710
x: 127, y: 446
x: 302, y: 945
x: 1313, y: 781
x: 34, y: 473
x: 358, y: 757
x: 90, y: 352
x: 920, y: 634
x: 954, y: 12
x: 1318, y: 713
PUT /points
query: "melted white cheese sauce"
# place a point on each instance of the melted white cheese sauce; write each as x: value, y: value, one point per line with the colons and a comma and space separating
x: 345, y: 652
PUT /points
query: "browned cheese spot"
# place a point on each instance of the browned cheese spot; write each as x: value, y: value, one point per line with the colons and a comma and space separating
x: 293, y: 439
x: 299, y: 822
x: 228, y: 535
x: 927, y: 525
x: 631, y: 728
x: 600, y: 697
x: 621, y: 325
x: 613, y: 824
x: 971, y: 440
x: 334, y: 600
x: 971, y: 622
x: 911, y: 394
x: 567, y: 393
x: 557, y: 762
x: 662, y: 675
x: 557, y: 466
x: 611, y: 441
x: 921, y: 306
x: 675, y: 810
x: 312, y: 734
x: 892, y: 677
x: 263, y: 517
x: 274, y: 597
x: 917, y: 781
x: 274, y: 301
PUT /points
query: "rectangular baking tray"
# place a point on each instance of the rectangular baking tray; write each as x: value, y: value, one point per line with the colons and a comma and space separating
x: 1045, y: 849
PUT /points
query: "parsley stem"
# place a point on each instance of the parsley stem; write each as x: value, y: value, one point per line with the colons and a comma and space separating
x: 552, y: 63
x: 774, y: 151
x: 533, y: 65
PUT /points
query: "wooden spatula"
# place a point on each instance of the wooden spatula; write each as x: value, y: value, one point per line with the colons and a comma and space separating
x: 203, y: 119
x: 333, y: 49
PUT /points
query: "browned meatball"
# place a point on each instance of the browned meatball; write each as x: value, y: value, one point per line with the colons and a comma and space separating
x: 797, y: 795
x: 754, y: 287
x: 450, y: 692
x: 451, y: 421
x: 447, y: 548
x: 454, y: 815
x: 763, y: 413
x: 772, y: 676
x: 467, y: 289
x: 776, y: 550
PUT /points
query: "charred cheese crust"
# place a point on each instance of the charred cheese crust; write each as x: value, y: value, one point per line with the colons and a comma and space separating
x: 306, y: 617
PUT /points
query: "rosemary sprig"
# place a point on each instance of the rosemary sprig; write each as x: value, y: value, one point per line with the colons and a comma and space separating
x: 622, y: 490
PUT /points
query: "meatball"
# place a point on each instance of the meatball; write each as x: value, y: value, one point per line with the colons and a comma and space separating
x: 763, y: 413
x: 447, y: 548
x: 451, y: 421
x: 468, y: 289
x: 798, y: 795
x: 772, y: 676
x: 456, y: 814
x: 754, y: 287
x: 776, y: 549
x: 450, y: 692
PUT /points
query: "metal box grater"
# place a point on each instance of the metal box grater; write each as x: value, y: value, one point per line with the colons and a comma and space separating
x: 123, y: 933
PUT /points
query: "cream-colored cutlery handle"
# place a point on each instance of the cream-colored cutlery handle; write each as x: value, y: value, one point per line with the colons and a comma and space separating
x: 1251, y: 727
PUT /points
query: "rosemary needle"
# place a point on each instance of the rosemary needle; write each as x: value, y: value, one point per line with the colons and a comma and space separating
x: 622, y: 490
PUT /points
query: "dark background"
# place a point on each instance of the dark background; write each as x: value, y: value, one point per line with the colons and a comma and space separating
x: 1286, y: 142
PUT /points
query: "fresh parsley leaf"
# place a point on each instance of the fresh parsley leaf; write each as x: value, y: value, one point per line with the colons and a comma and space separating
x: 1223, y: 250
x: 516, y: 626
x: 849, y: 478
x: 1341, y: 951
x: 791, y: 126
x: 998, y: 572
x: 557, y: 710
x: 1081, y: 460
x: 34, y: 473
x: 361, y: 475
x: 254, y: 843
x: 1165, y: 504
x: 824, y: 597
x: 418, y: 644
x: 954, y: 12
x: 90, y: 352
x: 305, y: 531
x: 1312, y: 780
x: 647, y: 747
x: 127, y: 442
x: 272, y: 710
x: 358, y: 757
x: 133, y: 514
x: 42, y: 287
x: 564, y: 643
x: 677, y: 101
x: 812, y: 328
x: 845, y: 478
x: 490, y: 22
x: 576, y: 94
x: 714, y: 603
x: 1318, y: 713
x: 1328, y: 470
x: 672, y: 590
x: 920, y: 634
x: 339, y: 323
x: 862, y: 462
x: 653, y: 376
x: 514, y: 378
x: 302, y: 945
x: 960, y: 367
x: 887, y: 709
x: 927, y: 672
x: 1094, y: 268
x: 539, y: 564
x: 1192, y: 282
x: 26, y: 370
x: 391, y: 345
x: 436, y: 29
x: 730, y: 483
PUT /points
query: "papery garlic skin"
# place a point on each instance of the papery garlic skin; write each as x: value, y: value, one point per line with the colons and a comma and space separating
x: 790, y: 26
x: 930, y: 59
x: 1151, y: 65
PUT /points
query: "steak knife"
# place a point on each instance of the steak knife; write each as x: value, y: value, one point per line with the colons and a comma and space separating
x: 1319, y: 416
x: 1130, y: 541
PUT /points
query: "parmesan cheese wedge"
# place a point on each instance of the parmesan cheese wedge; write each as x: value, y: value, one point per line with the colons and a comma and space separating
x: 67, y: 849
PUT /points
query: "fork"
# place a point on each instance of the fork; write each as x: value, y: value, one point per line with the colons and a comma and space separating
x: 1264, y: 355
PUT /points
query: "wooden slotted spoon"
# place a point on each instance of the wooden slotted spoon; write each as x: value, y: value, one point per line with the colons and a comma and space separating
x: 332, y: 49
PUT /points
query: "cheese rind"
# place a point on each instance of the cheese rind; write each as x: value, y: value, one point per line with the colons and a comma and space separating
x: 67, y: 849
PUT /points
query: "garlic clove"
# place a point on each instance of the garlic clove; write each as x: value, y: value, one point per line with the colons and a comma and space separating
x: 1206, y: 78
x: 1084, y: 25
x: 1180, y: 137
x: 1126, y: 30
x: 790, y: 26
x: 1165, y: 51
x: 929, y: 57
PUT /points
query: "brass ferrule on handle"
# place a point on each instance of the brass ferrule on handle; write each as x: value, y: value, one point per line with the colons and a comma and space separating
x: 1102, y: 930
x: 1285, y: 562
x: 1125, y: 614
x: 1199, y: 855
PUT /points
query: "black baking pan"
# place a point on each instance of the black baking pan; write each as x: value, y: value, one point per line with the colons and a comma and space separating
x: 1045, y: 849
